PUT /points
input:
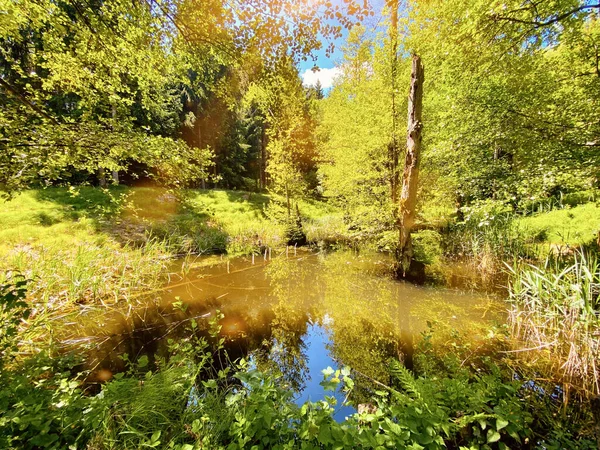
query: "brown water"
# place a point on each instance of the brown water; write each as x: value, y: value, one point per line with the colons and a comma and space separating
x: 296, y: 314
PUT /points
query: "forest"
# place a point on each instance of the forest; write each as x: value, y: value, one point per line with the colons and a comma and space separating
x: 202, y: 247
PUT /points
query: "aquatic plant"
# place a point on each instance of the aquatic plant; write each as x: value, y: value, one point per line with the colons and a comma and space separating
x: 554, y: 313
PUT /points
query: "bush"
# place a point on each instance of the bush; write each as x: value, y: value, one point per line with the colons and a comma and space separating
x: 427, y: 246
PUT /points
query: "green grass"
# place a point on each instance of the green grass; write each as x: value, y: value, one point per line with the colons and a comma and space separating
x: 30, y: 219
x: 91, y: 246
x: 87, y: 244
x: 242, y: 222
x: 61, y: 217
x: 574, y: 226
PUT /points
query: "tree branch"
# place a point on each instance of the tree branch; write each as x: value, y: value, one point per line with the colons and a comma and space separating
x: 15, y: 93
x: 538, y: 24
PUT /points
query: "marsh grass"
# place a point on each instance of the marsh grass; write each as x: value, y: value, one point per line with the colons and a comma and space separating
x: 88, y: 273
x: 475, y: 251
x: 555, y: 315
x: 491, y: 234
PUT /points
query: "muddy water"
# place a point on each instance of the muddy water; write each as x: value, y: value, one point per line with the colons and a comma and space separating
x: 297, y: 314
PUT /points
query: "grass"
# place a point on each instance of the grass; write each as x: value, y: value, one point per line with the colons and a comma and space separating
x: 574, y: 226
x: 492, y: 235
x: 85, y: 244
x: 248, y: 221
x: 32, y: 219
x: 555, y: 314
x: 67, y: 217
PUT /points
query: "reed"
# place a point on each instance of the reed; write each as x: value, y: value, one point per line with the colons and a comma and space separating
x: 88, y: 273
x: 555, y: 315
x: 485, y: 244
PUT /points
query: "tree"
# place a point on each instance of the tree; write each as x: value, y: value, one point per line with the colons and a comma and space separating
x: 316, y: 91
x: 506, y: 119
x: 289, y: 128
x: 410, y: 178
x: 114, y: 68
x: 89, y: 89
x: 511, y: 110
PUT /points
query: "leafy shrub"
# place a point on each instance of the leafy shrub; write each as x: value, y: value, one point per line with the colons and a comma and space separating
x: 13, y: 309
x: 427, y: 246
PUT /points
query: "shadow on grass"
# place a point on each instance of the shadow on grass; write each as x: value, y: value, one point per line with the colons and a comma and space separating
x: 89, y: 202
x: 137, y: 215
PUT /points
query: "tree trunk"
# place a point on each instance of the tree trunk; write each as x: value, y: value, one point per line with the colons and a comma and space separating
x: 102, y: 177
x: 263, y: 157
x: 287, y: 200
x: 393, y: 144
x: 115, y: 173
x: 410, y: 177
x: 198, y: 126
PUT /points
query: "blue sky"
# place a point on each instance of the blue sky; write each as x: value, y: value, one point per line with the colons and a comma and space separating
x: 327, y: 64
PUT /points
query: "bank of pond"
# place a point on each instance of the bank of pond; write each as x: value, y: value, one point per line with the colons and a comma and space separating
x: 304, y: 349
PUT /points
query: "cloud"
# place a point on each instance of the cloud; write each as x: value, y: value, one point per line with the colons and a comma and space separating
x: 326, y: 76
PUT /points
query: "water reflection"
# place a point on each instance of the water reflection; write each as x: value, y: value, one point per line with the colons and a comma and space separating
x: 294, y: 315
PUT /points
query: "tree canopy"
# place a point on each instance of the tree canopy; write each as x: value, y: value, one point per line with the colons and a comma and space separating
x: 89, y: 87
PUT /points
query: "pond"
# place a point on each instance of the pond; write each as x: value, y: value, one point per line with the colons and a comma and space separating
x: 297, y: 313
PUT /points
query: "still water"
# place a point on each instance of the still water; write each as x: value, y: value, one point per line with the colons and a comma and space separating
x: 297, y: 314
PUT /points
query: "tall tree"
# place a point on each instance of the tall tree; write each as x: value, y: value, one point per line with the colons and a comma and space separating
x: 94, y: 86
x: 393, y: 147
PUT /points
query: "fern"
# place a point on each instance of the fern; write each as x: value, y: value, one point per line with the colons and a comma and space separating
x: 406, y: 379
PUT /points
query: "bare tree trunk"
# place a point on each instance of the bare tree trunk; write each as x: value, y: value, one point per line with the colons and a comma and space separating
x: 410, y: 177
x: 393, y: 144
x: 198, y: 127
x: 287, y: 200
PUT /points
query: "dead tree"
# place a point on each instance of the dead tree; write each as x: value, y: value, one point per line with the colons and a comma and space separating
x: 410, y: 177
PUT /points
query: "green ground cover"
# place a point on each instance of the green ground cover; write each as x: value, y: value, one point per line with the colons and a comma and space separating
x: 578, y: 225
x: 234, y: 220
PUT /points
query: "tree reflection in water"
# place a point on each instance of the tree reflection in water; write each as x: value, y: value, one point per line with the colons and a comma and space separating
x: 345, y: 305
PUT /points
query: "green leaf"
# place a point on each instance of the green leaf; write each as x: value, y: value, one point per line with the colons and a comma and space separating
x: 142, y: 362
x: 493, y: 436
x: 501, y: 423
x: 328, y: 372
